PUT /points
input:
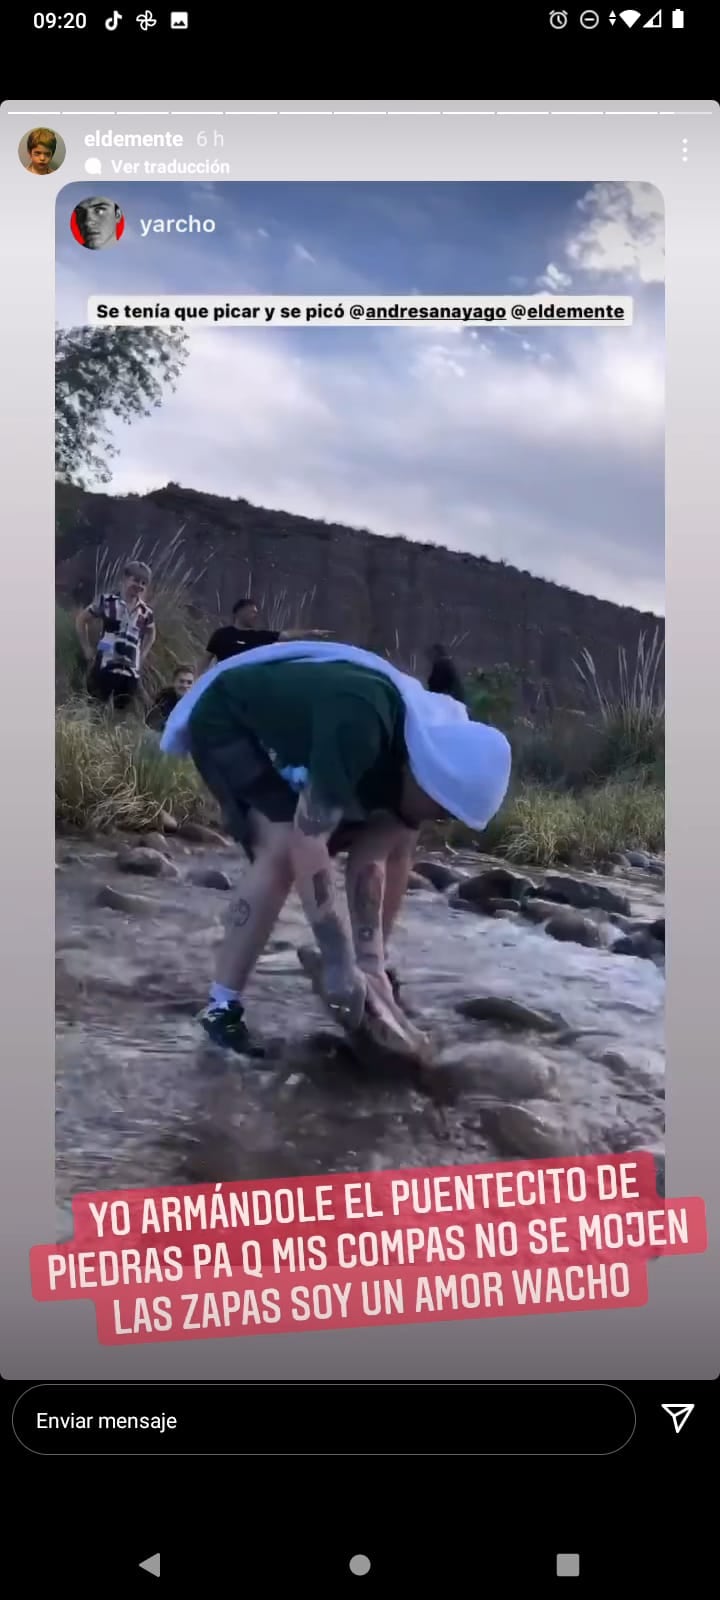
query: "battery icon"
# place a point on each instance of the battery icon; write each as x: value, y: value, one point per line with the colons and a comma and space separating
x: 678, y: 19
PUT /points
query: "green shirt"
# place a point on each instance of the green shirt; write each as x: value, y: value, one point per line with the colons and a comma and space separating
x: 341, y: 722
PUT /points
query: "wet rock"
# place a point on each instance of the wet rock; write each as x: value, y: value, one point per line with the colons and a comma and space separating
x: 626, y: 924
x: 495, y: 884
x: 197, y: 833
x: 508, y: 1071
x: 619, y: 859
x: 499, y: 1008
x: 417, y: 881
x: 518, y: 1132
x: 571, y: 928
x: 640, y: 945
x: 147, y: 863
x: 638, y: 858
x: 657, y: 868
x: 539, y: 910
x: 380, y: 1043
x: 209, y: 878
x: 495, y: 906
x: 132, y: 904
x: 656, y: 930
x: 156, y: 841
x: 582, y: 895
x: 435, y: 873
x: 167, y: 823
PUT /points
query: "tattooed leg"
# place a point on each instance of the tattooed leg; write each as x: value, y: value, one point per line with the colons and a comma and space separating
x: 314, y: 824
x: 265, y: 889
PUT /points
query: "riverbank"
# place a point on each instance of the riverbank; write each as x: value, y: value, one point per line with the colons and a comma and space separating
x: 546, y: 1046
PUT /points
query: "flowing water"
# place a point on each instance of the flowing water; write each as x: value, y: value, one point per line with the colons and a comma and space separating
x: 143, y: 1101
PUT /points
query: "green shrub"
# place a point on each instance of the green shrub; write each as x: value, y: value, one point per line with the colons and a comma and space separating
x: 112, y: 775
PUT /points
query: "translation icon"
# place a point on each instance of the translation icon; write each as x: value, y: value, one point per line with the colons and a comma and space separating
x: 679, y: 1415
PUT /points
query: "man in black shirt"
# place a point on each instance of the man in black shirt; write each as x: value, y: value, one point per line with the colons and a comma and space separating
x: 444, y: 677
x: 244, y: 634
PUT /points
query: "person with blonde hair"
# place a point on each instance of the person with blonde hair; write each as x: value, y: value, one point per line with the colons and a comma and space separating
x: 41, y: 146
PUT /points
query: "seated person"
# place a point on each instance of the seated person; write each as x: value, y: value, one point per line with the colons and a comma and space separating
x: 183, y: 679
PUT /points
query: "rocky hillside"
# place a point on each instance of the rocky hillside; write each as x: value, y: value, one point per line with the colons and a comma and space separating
x: 385, y: 594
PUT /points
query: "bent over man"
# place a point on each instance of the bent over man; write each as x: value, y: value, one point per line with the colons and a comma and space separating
x: 311, y: 749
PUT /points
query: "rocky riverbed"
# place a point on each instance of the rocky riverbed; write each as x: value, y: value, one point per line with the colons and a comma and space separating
x: 543, y: 995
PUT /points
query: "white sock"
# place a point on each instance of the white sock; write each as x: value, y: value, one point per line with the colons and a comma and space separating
x: 220, y: 996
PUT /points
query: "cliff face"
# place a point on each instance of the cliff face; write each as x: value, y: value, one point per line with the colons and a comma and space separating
x: 387, y: 595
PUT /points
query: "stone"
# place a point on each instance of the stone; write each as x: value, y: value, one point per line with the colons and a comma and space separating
x: 638, y: 858
x: 640, y: 945
x: 495, y: 884
x: 499, y: 1008
x: 516, y: 1131
x: 508, y: 1071
x: 380, y: 1043
x: 503, y: 906
x: 417, y: 881
x: 209, y: 878
x: 197, y: 833
x: 570, y: 928
x: 657, y: 868
x: 656, y: 930
x: 167, y: 822
x: 539, y: 910
x: 155, y: 841
x: 581, y: 895
x: 132, y: 904
x: 434, y: 872
x: 618, y: 859
x: 148, y: 863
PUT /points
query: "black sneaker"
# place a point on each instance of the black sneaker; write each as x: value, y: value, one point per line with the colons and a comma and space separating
x: 226, y: 1026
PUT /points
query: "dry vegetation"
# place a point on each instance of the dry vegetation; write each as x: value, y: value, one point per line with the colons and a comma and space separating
x: 585, y: 784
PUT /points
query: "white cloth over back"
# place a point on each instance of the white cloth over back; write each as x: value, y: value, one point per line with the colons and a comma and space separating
x: 463, y: 765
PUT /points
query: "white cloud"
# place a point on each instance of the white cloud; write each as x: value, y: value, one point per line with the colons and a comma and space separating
x: 554, y: 279
x: 473, y: 447
x: 301, y: 254
x: 622, y: 233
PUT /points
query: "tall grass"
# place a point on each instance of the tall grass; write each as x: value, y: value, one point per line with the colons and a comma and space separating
x: 631, y: 711
x: 112, y: 775
x: 541, y: 827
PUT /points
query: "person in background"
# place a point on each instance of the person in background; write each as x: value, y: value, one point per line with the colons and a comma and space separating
x: 41, y: 144
x: 244, y: 634
x: 444, y: 677
x: 127, y: 634
x: 183, y: 679
x: 294, y: 742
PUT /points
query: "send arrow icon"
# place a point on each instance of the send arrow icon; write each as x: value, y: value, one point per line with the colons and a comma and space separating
x: 679, y: 1415
x: 151, y: 1565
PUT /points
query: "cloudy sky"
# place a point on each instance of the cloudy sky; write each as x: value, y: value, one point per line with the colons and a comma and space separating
x: 544, y: 449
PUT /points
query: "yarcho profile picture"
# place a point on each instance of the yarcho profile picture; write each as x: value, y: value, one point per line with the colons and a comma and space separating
x: 41, y: 151
x: 97, y: 222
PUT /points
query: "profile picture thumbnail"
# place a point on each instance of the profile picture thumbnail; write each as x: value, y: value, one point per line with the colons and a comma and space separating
x: 97, y: 222
x: 42, y: 151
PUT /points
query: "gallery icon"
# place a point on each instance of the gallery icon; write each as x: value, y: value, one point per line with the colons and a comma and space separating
x: 178, y: 19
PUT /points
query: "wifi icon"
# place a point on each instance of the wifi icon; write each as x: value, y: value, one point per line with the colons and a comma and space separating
x: 629, y: 18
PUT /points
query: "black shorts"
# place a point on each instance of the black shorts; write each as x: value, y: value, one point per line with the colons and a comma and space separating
x: 242, y: 778
x: 107, y: 685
